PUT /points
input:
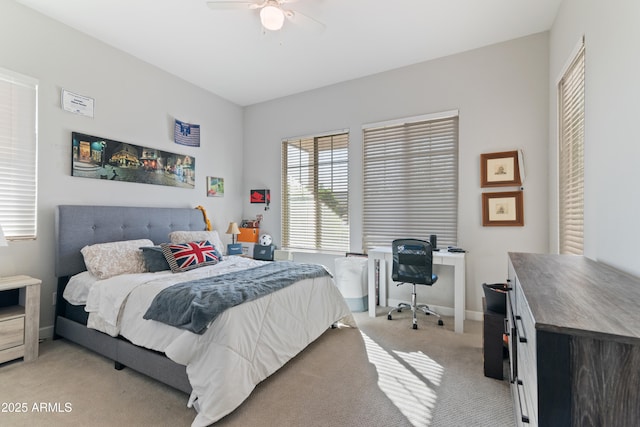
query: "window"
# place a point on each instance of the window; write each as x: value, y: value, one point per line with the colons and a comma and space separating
x: 571, y: 157
x: 315, y: 187
x: 18, y: 158
x: 411, y: 180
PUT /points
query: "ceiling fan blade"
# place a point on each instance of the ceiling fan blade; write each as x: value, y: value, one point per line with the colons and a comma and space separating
x: 300, y: 19
x: 222, y: 5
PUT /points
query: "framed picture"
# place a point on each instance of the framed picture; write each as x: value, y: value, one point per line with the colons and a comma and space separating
x: 100, y: 158
x: 503, y: 209
x: 500, y: 169
x: 215, y: 187
x: 260, y: 196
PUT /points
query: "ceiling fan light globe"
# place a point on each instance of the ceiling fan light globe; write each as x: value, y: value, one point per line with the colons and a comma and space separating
x: 272, y: 18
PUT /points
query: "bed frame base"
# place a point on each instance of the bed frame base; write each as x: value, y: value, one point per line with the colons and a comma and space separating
x: 124, y: 354
x: 77, y: 226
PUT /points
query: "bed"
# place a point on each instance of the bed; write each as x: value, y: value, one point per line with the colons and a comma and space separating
x: 218, y: 365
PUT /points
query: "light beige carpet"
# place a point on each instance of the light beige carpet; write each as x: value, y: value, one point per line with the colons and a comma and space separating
x: 382, y: 374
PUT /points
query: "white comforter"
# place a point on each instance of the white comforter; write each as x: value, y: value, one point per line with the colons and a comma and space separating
x: 242, y: 347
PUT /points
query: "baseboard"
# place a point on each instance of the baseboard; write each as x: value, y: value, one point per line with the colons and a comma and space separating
x: 46, y: 333
x: 474, y: 315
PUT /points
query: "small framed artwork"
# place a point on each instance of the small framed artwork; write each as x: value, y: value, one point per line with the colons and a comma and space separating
x: 503, y: 209
x: 260, y: 196
x: 215, y: 187
x: 500, y: 169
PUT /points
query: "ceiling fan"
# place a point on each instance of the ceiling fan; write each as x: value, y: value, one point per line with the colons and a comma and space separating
x: 272, y: 12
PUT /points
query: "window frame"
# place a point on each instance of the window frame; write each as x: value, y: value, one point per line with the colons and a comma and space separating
x: 329, y: 228
x: 571, y: 154
x: 19, y: 152
x: 433, y: 181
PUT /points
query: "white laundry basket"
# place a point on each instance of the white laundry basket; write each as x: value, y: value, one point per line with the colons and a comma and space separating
x: 351, y: 279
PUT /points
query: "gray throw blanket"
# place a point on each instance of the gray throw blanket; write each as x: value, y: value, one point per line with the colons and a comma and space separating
x: 195, y: 304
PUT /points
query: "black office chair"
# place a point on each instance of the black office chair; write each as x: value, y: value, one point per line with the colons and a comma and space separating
x: 413, y: 263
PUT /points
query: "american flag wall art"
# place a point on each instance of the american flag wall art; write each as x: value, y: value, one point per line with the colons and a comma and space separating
x: 186, y: 134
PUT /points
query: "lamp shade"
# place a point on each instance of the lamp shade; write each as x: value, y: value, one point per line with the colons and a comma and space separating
x: 3, y: 241
x: 233, y: 228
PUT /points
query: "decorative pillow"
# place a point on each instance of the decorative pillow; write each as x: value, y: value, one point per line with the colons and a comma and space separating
x: 154, y: 259
x: 104, y: 260
x: 187, y: 256
x: 194, y: 236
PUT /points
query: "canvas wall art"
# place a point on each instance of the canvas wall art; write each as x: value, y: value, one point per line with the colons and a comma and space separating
x: 101, y: 158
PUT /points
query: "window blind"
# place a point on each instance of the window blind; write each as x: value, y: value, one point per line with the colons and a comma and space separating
x: 18, y: 155
x: 411, y: 181
x: 571, y: 158
x: 315, y: 198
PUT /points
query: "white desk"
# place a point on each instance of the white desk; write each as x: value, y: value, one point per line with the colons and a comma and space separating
x: 383, y: 255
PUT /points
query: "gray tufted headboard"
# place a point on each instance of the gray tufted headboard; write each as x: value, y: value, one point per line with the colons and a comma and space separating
x: 79, y: 225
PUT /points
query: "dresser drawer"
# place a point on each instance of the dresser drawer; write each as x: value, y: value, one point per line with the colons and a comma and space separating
x: 527, y: 363
x: 11, y: 333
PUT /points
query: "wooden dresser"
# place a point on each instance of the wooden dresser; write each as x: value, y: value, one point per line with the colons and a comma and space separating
x: 574, y: 327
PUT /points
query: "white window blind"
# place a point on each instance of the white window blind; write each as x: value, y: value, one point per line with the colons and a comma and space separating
x: 18, y: 155
x: 411, y: 180
x: 315, y: 195
x: 571, y: 157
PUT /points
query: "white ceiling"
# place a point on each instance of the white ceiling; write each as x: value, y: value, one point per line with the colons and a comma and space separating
x: 227, y: 52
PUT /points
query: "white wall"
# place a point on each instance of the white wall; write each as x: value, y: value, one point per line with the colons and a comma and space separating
x: 612, y: 107
x: 501, y: 92
x: 135, y: 103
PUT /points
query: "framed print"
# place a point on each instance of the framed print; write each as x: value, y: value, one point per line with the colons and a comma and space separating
x: 77, y: 104
x: 500, y: 169
x: 101, y: 158
x: 503, y: 209
x: 215, y: 187
x: 260, y: 196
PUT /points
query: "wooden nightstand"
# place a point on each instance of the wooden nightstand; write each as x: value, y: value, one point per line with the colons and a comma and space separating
x: 20, y: 323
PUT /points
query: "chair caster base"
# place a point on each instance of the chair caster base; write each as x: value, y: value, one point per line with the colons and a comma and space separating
x: 415, y: 326
x: 440, y: 323
x: 389, y: 317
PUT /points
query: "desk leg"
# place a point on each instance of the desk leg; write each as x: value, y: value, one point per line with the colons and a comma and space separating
x: 371, y: 279
x: 382, y: 283
x: 459, y: 275
x: 377, y: 269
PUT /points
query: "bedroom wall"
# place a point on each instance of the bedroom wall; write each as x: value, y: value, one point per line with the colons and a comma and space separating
x: 612, y: 91
x: 135, y: 103
x: 501, y: 92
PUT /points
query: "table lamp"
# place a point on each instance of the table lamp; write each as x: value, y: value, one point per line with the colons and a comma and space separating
x: 234, y: 248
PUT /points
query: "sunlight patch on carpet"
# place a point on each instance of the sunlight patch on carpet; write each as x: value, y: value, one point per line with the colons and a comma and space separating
x: 408, y: 379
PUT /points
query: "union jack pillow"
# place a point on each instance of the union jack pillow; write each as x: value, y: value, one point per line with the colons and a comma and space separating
x: 187, y: 256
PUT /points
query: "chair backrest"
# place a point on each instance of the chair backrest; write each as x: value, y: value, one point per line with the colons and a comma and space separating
x: 412, y: 261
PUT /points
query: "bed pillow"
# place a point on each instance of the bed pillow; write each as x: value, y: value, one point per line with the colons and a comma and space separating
x: 104, y: 260
x: 154, y: 259
x: 194, y: 236
x: 78, y: 287
x: 187, y: 256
